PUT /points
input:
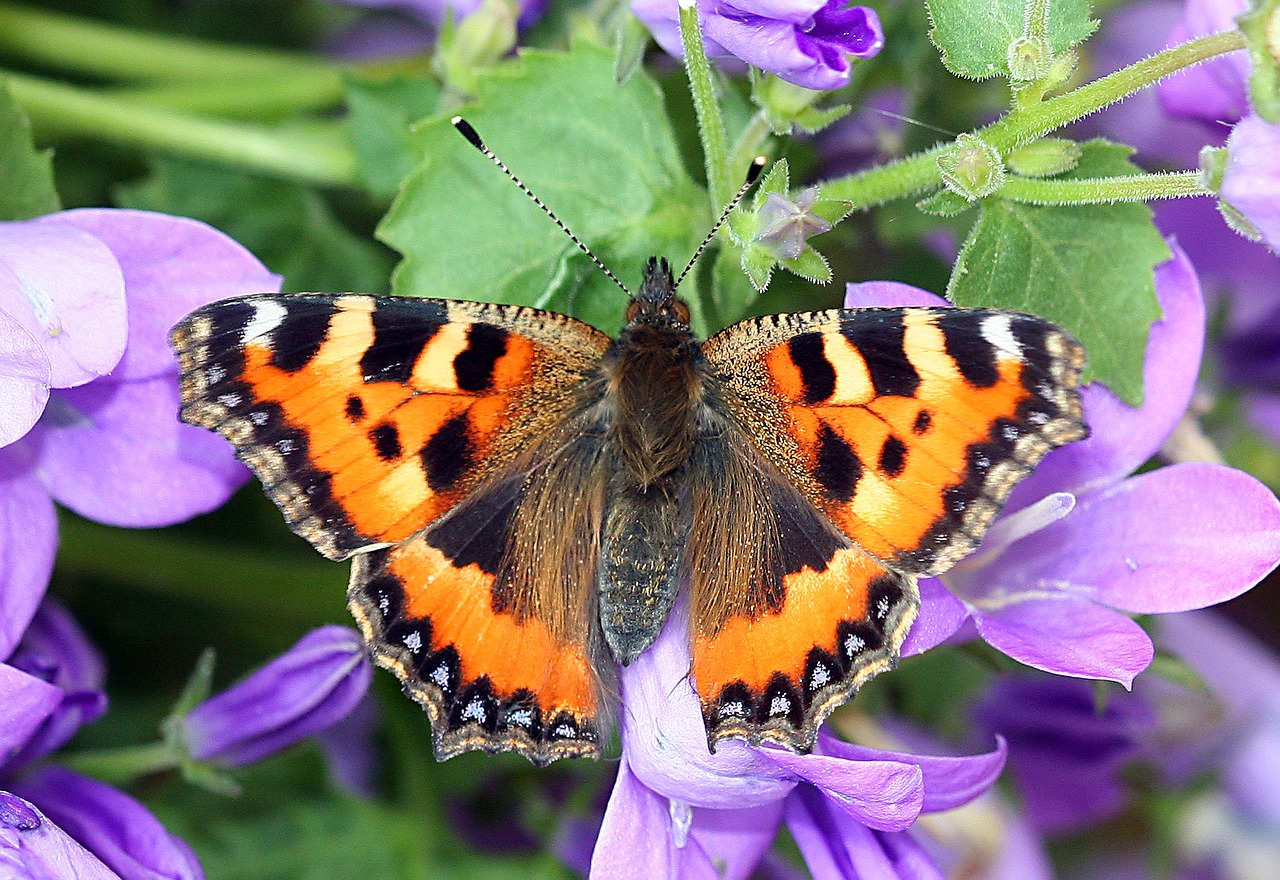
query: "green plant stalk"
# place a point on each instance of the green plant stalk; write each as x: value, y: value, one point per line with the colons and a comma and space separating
x: 258, y: 583
x: 275, y: 98
x: 87, y: 47
x: 920, y: 172
x: 715, y: 141
x: 314, y: 155
x: 121, y: 765
x: 1035, y: 22
x: 1101, y: 190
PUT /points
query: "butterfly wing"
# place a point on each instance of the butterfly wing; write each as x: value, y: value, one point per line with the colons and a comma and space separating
x: 886, y: 440
x: 422, y: 437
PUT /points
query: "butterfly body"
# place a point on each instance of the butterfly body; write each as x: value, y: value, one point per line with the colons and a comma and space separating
x: 525, y: 500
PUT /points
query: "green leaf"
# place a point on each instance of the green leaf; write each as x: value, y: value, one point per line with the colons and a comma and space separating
x: 378, y: 123
x: 944, y: 203
x: 1089, y: 268
x: 599, y: 153
x: 28, y: 189
x: 810, y: 265
x: 289, y: 227
x: 974, y: 37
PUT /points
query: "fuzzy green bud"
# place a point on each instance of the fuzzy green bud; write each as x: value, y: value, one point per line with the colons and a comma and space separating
x: 1045, y: 157
x: 972, y: 168
x: 1029, y: 58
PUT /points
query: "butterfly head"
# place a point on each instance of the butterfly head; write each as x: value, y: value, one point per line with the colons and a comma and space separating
x: 656, y: 302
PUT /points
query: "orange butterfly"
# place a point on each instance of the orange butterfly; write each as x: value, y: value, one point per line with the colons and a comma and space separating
x: 523, y: 497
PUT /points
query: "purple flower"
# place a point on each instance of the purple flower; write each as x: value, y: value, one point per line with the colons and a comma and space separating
x: 1066, y: 755
x: 1078, y: 543
x: 310, y: 687
x: 1217, y: 90
x: 33, y: 848
x: 48, y: 688
x: 805, y: 42
x: 1251, y: 184
x: 785, y: 226
x: 679, y: 811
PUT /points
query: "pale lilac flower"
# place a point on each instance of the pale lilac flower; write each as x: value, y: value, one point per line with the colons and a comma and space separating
x: 310, y: 687
x: 785, y: 225
x: 1080, y: 542
x: 805, y: 42
x: 1251, y: 184
x: 679, y: 811
x: 33, y: 848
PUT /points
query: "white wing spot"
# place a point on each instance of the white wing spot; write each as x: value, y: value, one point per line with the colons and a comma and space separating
x: 267, y: 316
x: 215, y: 374
x: 285, y: 445
x: 565, y: 730
x: 440, y: 675
x: 821, y: 675
x: 230, y: 401
x: 853, y: 645
x: 258, y: 418
x: 736, y: 709
x: 520, y: 718
x: 882, y: 608
x: 413, y: 641
x: 998, y: 330
x: 475, y: 711
x: 779, y: 705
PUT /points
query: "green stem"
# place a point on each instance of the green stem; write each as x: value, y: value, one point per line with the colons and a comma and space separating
x: 272, y: 99
x: 1103, y: 190
x: 168, y: 563
x: 1035, y: 22
x: 751, y: 143
x: 81, y: 46
x: 313, y: 155
x: 121, y: 765
x: 920, y: 172
x: 715, y: 141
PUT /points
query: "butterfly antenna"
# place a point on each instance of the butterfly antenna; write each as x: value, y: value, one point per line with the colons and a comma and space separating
x: 753, y: 174
x: 471, y: 135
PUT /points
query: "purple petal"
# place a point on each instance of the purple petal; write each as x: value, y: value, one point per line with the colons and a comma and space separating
x: 171, y: 266
x: 1241, y: 672
x: 115, y: 452
x: 111, y: 825
x: 351, y: 750
x: 25, y: 702
x: 885, y: 795
x: 24, y: 380
x: 636, y: 835
x: 65, y: 288
x: 1181, y: 537
x: 34, y: 848
x: 313, y: 685
x: 28, y: 543
x: 736, y: 840
x: 1251, y: 184
x: 57, y: 651
x: 1217, y: 89
x: 949, y: 780
x: 1121, y: 437
x: 889, y: 294
x: 665, y: 740
x: 835, y: 848
x: 1065, y: 753
x: 941, y: 616
x: 1068, y: 636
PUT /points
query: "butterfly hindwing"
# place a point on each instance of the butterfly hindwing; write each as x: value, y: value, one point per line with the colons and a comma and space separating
x: 788, y: 625
x: 908, y: 427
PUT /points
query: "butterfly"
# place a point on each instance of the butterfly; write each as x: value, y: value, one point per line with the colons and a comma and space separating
x: 524, y: 498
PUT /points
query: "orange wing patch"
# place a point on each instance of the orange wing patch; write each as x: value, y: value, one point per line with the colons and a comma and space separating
x: 907, y: 427
x: 487, y: 679
x: 773, y: 677
x: 367, y: 418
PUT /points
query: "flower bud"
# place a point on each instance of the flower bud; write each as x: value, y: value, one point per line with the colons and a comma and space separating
x: 785, y: 225
x: 1045, y: 157
x: 33, y: 848
x: 972, y: 168
x: 1029, y: 58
